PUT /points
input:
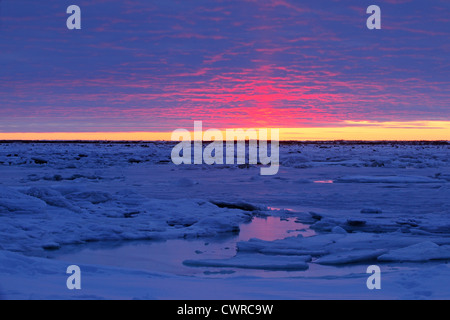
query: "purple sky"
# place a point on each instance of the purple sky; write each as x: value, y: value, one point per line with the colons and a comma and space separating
x: 147, y: 65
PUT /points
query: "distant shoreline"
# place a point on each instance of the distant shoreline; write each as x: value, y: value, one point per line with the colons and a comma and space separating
x: 285, y: 142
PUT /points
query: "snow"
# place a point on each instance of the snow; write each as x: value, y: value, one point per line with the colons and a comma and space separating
x: 385, y: 204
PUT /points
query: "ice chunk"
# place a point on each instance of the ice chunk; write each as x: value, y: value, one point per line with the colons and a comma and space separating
x: 312, y: 245
x: 182, y: 221
x: 51, y: 197
x: 338, y: 229
x: 352, y: 256
x: 292, y: 252
x: 423, y: 251
x: 12, y: 201
x: 326, y: 224
x: 39, y: 160
x: 255, y: 261
x: 215, y: 225
x: 237, y: 205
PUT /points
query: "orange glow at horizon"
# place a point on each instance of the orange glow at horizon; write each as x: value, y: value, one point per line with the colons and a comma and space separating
x: 348, y: 130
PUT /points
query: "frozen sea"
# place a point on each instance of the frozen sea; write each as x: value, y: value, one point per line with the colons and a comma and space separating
x: 140, y: 227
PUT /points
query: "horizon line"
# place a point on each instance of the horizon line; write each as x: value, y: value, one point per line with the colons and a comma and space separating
x: 209, y: 141
x: 349, y: 131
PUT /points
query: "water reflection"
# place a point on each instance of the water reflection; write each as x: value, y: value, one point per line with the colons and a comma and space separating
x: 168, y: 256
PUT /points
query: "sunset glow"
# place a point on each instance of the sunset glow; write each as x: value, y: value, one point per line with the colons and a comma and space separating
x: 138, y: 70
x: 429, y: 130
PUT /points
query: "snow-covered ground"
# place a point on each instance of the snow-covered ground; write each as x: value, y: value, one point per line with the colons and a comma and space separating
x: 362, y: 204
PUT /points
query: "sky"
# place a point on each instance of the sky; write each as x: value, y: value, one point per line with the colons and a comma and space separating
x: 141, y: 67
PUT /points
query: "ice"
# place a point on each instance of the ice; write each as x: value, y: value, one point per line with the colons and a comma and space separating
x: 371, y: 210
x: 255, y: 261
x: 238, y: 205
x: 52, y: 218
x: 94, y: 197
x: 338, y: 229
x: 186, y: 183
x: 214, y: 225
x: 383, y: 203
x: 351, y: 256
x: 52, y: 198
x: 387, y: 179
x: 325, y: 224
x: 343, y: 248
x: 312, y: 245
x: 423, y: 251
x: 23, y: 277
x: 13, y: 202
x: 39, y: 161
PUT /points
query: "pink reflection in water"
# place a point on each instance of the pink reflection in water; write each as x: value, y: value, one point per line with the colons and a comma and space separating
x: 324, y: 181
x: 272, y: 228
